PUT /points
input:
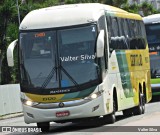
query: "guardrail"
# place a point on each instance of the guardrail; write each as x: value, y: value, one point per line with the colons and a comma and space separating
x: 10, y: 99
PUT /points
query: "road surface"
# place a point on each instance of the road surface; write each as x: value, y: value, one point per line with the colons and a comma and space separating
x: 146, y: 124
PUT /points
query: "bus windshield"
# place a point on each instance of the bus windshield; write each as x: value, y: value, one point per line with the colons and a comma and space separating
x: 59, y: 59
x: 155, y: 64
x: 153, y: 37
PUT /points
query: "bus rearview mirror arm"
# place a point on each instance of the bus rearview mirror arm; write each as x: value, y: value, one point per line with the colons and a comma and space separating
x: 100, y: 44
x: 10, y: 56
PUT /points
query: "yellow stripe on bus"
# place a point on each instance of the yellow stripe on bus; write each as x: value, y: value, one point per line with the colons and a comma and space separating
x: 45, y: 98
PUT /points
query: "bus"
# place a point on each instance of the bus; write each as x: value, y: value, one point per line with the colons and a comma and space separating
x: 152, y: 25
x: 81, y: 61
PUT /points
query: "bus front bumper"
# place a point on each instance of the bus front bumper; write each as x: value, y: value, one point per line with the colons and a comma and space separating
x: 96, y: 107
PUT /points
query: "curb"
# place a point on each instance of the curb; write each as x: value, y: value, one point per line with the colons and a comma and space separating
x: 13, y: 115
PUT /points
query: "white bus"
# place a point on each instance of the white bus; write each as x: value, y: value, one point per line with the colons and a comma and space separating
x: 81, y: 61
x: 152, y: 24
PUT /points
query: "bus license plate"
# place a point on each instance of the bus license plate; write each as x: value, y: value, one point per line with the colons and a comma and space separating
x: 62, y: 114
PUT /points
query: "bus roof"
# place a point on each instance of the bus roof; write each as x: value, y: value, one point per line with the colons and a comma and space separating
x: 151, y: 19
x: 67, y: 15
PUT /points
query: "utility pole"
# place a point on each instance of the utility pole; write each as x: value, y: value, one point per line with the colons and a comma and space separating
x: 17, y: 5
x: 19, y: 20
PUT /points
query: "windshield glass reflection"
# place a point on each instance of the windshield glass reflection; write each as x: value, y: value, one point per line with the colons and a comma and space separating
x: 58, y: 59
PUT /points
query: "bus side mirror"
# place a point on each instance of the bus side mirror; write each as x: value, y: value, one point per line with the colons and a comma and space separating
x: 10, y: 49
x: 100, y: 44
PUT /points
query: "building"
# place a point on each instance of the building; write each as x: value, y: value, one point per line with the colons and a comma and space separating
x: 155, y: 3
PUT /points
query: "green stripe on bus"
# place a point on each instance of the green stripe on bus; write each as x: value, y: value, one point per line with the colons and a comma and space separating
x: 124, y: 73
x: 155, y: 93
x: 155, y: 81
x: 79, y: 94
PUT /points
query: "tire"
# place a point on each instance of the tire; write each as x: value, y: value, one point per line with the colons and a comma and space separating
x: 140, y: 109
x: 143, y: 102
x: 44, y: 126
x: 111, y: 118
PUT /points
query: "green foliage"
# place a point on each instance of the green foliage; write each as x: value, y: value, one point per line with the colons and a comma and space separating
x: 9, y: 24
x: 79, y: 1
x: 116, y: 3
x: 7, y: 13
x: 12, y: 32
x: 148, y: 9
x: 131, y: 8
x: 108, y: 2
x: 9, y: 31
x: 145, y: 7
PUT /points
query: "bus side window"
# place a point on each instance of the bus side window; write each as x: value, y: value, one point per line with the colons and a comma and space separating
x: 118, y: 30
x: 108, y: 20
x: 115, y: 28
x: 124, y: 33
x: 139, y: 35
x: 114, y: 33
x: 133, y: 40
x: 102, y: 26
x: 110, y: 34
x: 127, y: 32
x: 143, y: 34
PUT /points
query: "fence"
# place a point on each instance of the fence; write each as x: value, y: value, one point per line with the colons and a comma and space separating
x: 10, y: 99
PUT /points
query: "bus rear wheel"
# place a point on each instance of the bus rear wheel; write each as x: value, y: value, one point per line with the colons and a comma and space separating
x: 140, y: 109
x: 44, y: 126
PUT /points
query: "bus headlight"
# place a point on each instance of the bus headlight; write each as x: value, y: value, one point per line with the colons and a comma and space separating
x: 94, y: 95
x: 29, y: 102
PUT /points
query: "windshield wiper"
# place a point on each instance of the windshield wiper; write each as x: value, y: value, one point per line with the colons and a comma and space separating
x: 68, y: 75
x: 49, y: 77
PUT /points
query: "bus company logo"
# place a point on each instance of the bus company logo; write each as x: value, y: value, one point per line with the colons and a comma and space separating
x: 61, y: 104
x: 136, y: 60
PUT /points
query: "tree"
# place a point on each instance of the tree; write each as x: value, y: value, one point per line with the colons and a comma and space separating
x: 7, y: 11
x: 134, y: 8
x: 145, y: 7
x: 9, y: 23
x: 9, y: 30
x: 148, y: 9
x: 116, y: 3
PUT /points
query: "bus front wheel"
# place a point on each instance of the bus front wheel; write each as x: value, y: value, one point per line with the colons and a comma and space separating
x: 111, y: 118
x: 44, y: 126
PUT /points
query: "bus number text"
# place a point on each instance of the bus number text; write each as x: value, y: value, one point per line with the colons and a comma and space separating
x: 136, y: 60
